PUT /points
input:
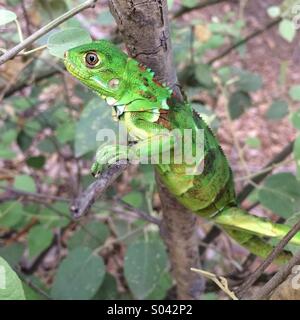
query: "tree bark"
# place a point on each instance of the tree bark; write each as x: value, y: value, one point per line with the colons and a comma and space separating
x: 145, y: 30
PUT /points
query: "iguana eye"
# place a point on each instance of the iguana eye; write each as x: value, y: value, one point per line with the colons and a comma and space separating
x: 91, y: 59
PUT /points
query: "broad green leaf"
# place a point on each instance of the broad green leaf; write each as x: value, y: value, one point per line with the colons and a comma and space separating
x: 134, y: 198
x: 79, y: 276
x: 24, y: 140
x: 9, y: 136
x: 287, y: 30
x: 248, y: 81
x: 95, y: 117
x: 10, y: 285
x: 296, y: 153
x: 273, y: 11
x: 145, y: 262
x: 203, y: 74
x: 91, y: 235
x: 65, y: 132
x: 189, y: 3
x: 108, y: 290
x: 7, y: 154
x: 47, y: 146
x: 60, y: 42
x: 11, y: 214
x: 253, y: 142
x: 238, y: 102
x: 281, y: 194
x: 39, y: 239
x: 277, y: 110
x: 295, y: 118
x: 36, y: 162
x: 12, y: 253
x: 164, y: 284
x: 24, y: 183
x: 294, y: 92
x: 6, y: 16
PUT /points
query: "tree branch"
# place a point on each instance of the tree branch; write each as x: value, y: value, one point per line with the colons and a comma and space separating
x: 277, y: 279
x: 145, y: 30
x: 42, y: 31
x: 81, y: 205
x: 244, y: 288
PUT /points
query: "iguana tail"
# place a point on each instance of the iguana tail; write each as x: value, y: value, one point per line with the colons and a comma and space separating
x: 248, y: 231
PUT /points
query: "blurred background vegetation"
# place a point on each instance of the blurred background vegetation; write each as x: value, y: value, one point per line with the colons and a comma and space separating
x: 238, y: 62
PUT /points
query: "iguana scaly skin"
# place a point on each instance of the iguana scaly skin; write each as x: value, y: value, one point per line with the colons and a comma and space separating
x: 150, y: 112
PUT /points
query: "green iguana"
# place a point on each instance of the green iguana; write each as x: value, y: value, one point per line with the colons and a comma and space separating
x: 150, y: 112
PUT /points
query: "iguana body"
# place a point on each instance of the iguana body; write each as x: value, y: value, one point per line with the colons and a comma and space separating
x: 140, y: 102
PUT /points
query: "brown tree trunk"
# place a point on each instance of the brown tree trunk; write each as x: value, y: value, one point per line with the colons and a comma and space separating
x: 144, y: 28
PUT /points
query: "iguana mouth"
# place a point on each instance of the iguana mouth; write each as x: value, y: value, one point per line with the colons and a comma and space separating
x: 73, y: 70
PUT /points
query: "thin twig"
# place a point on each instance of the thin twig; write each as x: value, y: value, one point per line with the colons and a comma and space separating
x: 243, y: 290
x: 201, y: 5
x: 252, y: 35
x: 286, y: 151
x: 42, y: 31
x: 277, y: 279
x: 83, y: 202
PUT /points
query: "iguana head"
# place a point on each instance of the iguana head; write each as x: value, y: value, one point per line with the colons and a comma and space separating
x: 122, y: 81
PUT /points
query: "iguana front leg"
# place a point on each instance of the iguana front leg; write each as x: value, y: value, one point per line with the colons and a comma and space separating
x: 152, y: 141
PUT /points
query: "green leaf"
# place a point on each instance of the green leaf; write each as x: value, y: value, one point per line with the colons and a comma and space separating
x: 296, y: 153
x: 281, y: 194
x: 273, y: 11
x: 91, y: 235
x: 24, y: 183
x: 6, y: 16
x: 294, y: 92
x: 66, y: 132
x: 145, y: 262
x: 248, y: 81
x: 189, y: 3
x: 134, y: 198
x: 11, y: 214
x: 277, y: 110
x: 24, y: 140
x: 108, y: 289
x: 12, y: 253
x: 96, y: 116
x: 36, y: 162
x: 203, y: 74
x: 10, y: 285
x: 79, y: 275
x: 238, y: 102
x: 60, y: 42
x: 164, y: 284
x: 47, y: 145
x: 295, y: 118
x: 253, y: 142
x: 287, y: 30
x: 39, y: 239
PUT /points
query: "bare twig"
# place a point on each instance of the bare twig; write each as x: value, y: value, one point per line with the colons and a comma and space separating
x: 243, y: 290
x: 286, y: 151
x: 252, y: 35
x: 42, y: 31
x: 201, y: 5
x: 83, y: 202
x: 277, y: 279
